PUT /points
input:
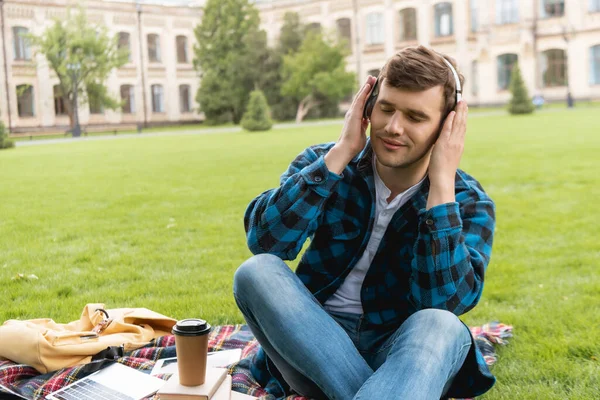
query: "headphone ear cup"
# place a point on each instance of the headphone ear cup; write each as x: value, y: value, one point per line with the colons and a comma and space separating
x: 369, y: 106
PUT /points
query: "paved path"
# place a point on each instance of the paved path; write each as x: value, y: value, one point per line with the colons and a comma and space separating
x: 203, y: 131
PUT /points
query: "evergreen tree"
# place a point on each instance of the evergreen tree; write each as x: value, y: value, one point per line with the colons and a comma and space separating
x: 257, y: 116
x: 5, y: 143
x: 520, y: 103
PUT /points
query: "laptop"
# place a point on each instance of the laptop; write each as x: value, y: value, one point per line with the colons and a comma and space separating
x: 115, y: 382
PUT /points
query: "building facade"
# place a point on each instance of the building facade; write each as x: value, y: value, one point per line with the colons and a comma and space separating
x: 157, y: 85
x: 555, y: 42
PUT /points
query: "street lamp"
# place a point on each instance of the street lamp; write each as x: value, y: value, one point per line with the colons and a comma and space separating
x: 567, y: 36
x: 74, y: 70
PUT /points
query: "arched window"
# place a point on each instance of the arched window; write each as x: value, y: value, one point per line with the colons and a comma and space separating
x: 507, y: 11
x: 552, y: 8
x: 25, y: 105
x: 554, y: 68
x: 158, y: 100
x: 59, y: 101
x: 408, y: 24
x: 21, y: 43
x: 125, y: 43
x: 375, y: 28
x: 185, y: 99
x: 182, y: 49
x: 313, y: 27
x: 128, y: 99
x: 474, y: 77
x: 154, y: 48
x: 443, y: 19
x: 595, y: 65
x: 344, y: 31
x: 505, y: 63
x: 374, y: 72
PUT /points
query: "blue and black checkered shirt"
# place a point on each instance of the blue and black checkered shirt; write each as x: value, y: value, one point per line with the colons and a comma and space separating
x: 433, y: 258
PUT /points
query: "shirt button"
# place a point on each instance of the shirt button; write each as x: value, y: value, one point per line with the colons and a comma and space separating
x: 429, y: 222
x: 318, y: 178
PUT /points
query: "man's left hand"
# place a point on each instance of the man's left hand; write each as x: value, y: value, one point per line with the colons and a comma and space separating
x: 446, y: 156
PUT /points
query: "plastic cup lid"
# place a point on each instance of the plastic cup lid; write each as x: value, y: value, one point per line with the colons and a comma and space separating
x: 191, y: 327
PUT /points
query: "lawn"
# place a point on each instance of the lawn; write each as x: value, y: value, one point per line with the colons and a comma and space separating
x: 157, y: 222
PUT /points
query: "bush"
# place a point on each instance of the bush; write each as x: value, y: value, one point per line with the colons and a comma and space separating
x: 5, y: 142
x: 257, y: 116
x: 520, y: 103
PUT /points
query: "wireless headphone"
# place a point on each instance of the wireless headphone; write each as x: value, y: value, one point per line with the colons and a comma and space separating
x: 370, y: 103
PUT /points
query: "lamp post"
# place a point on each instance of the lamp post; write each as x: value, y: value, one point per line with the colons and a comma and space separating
x: 74, y: 70
x: 567, y: 37
x: 138, y: 8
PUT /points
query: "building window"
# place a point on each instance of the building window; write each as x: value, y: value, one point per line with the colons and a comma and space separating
x: 124, y: 43
x: 594, y: 5
x: 408, y: 24
x: 182, y: 49
x: 374, y: 72
x: 25, y: 101
x: 443, y: 20
x: 474, y: 78
x: 344, y: 31
x: 595, y: 65
x: 374, y: 28
x: 507, y: 12
x: 505, y: 63
x: 59, y: 101
x: 552, y: 8
x: 185, y: 104
x: 96, y: 106
x: 158, y: 101
x: 154, y: 48
x: 473, y: 15
x: 127, y: 99
x: 22, y: 47
x: 554, y: 68
x: 313, y: 27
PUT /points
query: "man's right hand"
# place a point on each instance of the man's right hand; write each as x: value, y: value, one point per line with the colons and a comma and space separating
x: 353, y: 138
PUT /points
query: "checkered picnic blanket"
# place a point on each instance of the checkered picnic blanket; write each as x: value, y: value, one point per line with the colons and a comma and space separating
x: 29, y: 383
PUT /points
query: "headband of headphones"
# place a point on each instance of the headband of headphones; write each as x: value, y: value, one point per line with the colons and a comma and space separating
x: 375, y: 91
x: 456, y: 80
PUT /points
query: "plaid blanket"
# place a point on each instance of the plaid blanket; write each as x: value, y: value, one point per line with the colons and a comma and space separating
x: 30, y: 384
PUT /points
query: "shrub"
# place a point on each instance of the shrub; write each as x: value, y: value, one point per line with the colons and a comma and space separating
x: 520, y: 103
x: 5, y: 142
x: 257, y: 116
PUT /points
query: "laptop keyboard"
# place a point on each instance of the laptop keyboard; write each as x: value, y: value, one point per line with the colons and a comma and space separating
x: 88, y: 389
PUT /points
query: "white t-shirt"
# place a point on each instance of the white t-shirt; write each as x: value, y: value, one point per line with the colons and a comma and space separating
x: 347, y: 297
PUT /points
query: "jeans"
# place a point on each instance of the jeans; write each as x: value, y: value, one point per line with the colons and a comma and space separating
x: 332, y: 355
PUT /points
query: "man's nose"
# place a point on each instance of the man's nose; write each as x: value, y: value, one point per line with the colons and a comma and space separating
x: 395, y: 125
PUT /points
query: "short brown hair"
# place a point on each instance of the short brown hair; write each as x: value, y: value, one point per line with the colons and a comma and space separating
x: 420, y: 68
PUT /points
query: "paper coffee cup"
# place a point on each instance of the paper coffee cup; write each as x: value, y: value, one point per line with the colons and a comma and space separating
x: 191, y: 344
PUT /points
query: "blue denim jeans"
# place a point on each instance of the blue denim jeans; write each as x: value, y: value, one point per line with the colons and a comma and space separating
x: 330, y: 355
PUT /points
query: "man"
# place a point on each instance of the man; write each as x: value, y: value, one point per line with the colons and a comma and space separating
x: 400, y: 241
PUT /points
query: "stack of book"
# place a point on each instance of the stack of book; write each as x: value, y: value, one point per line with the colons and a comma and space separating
x: 217, y: 386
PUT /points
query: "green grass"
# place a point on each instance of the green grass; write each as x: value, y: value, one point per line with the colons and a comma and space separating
x: 157, y: 222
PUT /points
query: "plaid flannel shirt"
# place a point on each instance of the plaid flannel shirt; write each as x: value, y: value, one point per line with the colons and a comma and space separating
x: 432, y: 258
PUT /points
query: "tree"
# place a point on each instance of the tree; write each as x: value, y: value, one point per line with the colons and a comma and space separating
x: 520, y: 103
x: 317, y: 71
x: 5, y: 143
x: 291, y: 33
x: 256, y: 117
x: 82, y: 56
x: 224, y: 57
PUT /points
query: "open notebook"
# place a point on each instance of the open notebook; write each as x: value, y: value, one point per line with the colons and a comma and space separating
x: 115, y: 382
